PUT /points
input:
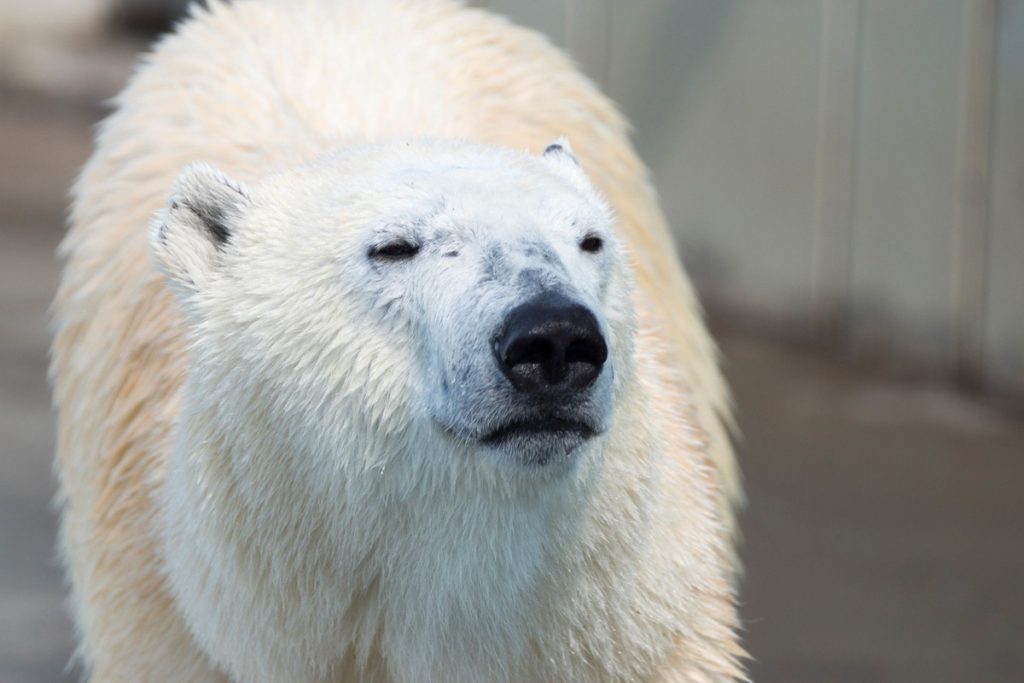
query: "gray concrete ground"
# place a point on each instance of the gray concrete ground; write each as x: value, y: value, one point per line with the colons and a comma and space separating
x: 40, y: 149
x: 883, y: 535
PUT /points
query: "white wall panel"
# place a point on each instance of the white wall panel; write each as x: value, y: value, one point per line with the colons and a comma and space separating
x: 905, y: 182
x: 547, y: 16
x: 724, y: 98
x: 587, y: 33
x: 1004, y: 331
x: 838, y: 85
x: 974, y: 163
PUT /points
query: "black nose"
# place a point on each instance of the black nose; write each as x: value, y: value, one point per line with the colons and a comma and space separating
x: 551, y: 345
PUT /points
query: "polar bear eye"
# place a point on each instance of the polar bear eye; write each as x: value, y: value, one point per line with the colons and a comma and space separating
x: 592, y: 244
x: 394, y: 251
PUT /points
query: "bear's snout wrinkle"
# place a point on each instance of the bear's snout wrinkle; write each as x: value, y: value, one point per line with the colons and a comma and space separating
x: 551, y: 346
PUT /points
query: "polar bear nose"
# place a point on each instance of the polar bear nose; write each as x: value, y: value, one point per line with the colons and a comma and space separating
x: 551, y: 345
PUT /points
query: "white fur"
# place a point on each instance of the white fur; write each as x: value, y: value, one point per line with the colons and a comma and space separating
x: 289, y: 453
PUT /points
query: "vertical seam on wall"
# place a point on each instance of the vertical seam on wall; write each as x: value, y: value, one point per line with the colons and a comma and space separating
x: 838, y: 91
x: 973, y: 179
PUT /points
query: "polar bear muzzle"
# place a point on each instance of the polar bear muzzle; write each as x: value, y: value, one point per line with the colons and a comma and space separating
x: 551, y: 350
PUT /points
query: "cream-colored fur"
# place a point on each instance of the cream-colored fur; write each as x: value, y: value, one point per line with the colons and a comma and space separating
x: 198, y: 552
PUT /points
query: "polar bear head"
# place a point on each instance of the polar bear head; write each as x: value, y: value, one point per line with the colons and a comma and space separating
x: 412, y: 305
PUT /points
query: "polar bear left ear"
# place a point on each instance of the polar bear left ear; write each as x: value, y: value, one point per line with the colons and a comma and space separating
x: 188, y: 235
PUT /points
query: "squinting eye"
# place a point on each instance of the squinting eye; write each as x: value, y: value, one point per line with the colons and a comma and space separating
x: 394, y: 251
x: 592, y: 244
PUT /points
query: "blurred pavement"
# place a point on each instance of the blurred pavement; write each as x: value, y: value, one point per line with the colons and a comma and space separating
x: 883, y: 535
x: 41, y: 147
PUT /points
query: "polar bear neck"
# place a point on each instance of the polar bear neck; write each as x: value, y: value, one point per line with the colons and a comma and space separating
x: 459, y: 583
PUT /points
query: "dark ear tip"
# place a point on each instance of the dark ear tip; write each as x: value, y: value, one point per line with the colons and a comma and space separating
x: 561, y: 148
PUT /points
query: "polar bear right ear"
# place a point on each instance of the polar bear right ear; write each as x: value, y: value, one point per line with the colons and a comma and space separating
x: 187, y: 236
x: 561, y: 151
x: 559, y: 156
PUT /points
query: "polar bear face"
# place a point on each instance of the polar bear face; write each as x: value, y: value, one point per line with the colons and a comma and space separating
x: 420, y: 303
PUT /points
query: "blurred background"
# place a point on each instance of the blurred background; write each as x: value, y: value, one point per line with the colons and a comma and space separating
x: 846, y: 183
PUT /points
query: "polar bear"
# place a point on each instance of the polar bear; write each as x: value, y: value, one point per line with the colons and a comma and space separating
x: 361, y: 378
